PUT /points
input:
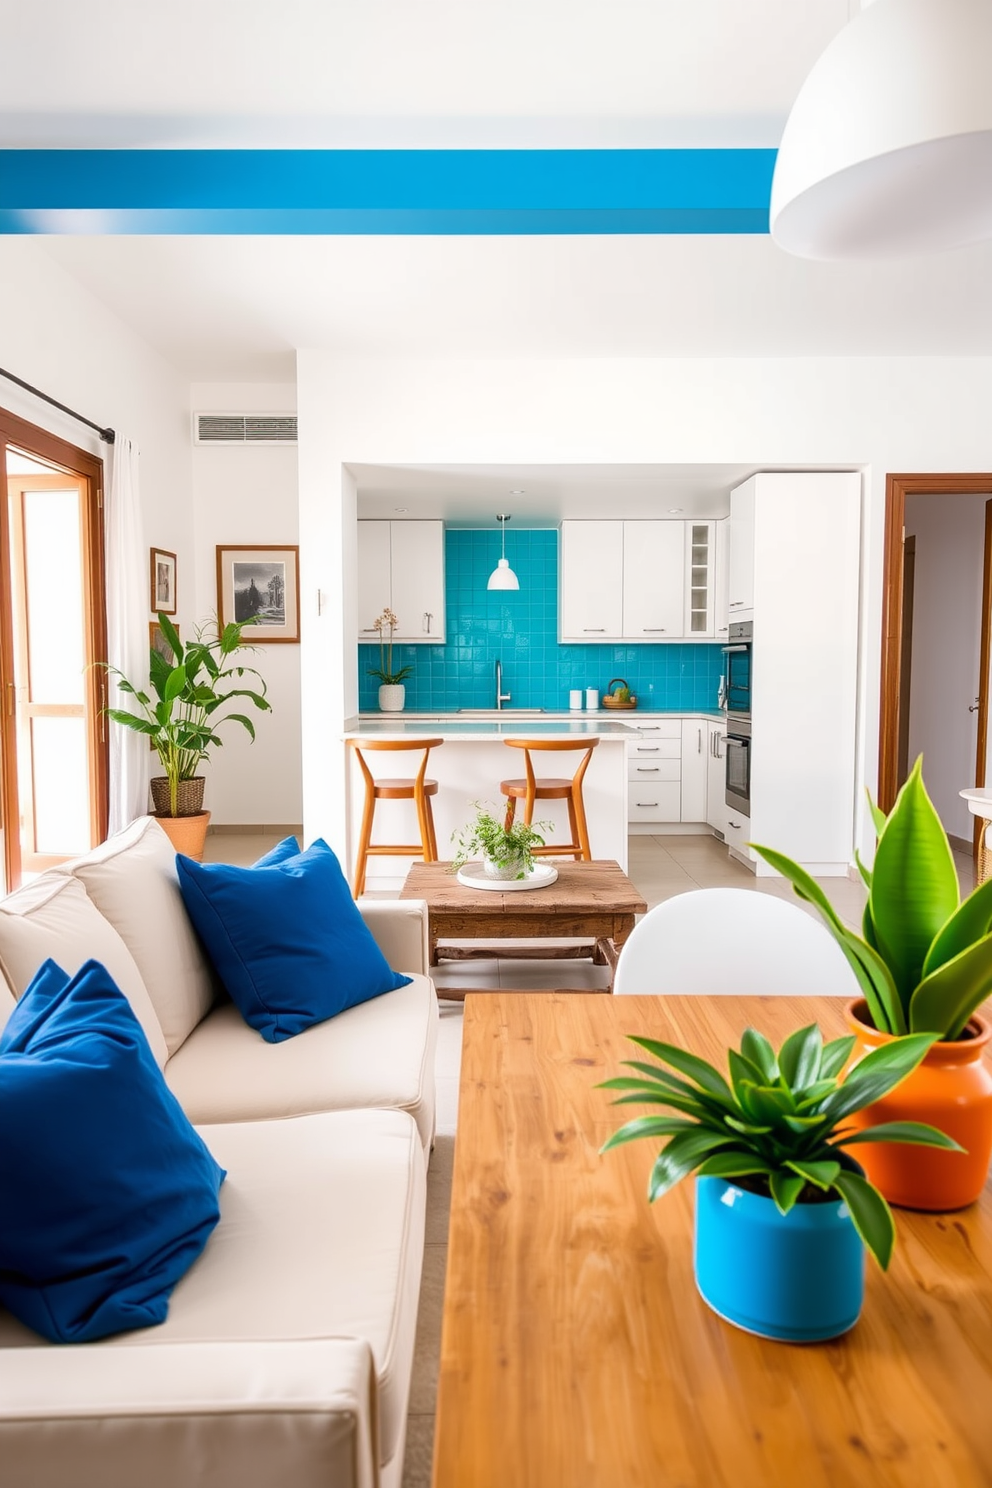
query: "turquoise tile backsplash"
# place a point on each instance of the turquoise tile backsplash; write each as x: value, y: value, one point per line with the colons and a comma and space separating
x: 521, y: 629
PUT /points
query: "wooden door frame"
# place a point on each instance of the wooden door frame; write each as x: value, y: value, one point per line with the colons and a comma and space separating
x: 897, y: 488
x: 46, y: 446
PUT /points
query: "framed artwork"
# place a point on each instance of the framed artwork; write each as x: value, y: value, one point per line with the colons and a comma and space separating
x: 163, y: 582
x: 260, y: 582
x: 156, y: 639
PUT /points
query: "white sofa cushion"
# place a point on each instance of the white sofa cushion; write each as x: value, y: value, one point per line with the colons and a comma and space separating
x: 321, y: 1238
x: 7, y: 1005
x: 380, y: 1053
x: 131, y: 878
x: 54, y: 916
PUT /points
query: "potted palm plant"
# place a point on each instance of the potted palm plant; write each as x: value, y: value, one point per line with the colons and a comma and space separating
x: 784, y: 1212
x: 924, y: 964
x: 392, y: 693
x: 506, y: 851
x: 190, y: 702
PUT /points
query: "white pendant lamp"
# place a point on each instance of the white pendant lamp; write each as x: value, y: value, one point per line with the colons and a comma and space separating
x: 888, y: 149
x: 502, y: 576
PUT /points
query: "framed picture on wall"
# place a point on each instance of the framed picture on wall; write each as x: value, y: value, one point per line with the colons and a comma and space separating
x: 157, y: 641
x: 163, y: 582
x: 260, y: 582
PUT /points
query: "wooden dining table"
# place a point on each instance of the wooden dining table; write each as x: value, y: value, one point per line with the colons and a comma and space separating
x: 576, y: 1351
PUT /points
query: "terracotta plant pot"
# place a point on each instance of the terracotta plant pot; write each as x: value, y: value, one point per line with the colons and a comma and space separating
x: 951, y: 1090
x: 188, y: 834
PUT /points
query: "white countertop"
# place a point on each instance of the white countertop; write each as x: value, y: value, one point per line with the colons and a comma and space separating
x: 599, y: 724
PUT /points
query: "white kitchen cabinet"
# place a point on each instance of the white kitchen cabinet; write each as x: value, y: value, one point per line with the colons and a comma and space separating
x: 694, y: 746
x: 591, y: 584
x: 700, y: 572
x: 654, y: 575
x: 740, y: 600
x: 401, y: 564
x: 654, y: 771
x: 637, y: 581
x: 721, y: 580
x: 717, y: 810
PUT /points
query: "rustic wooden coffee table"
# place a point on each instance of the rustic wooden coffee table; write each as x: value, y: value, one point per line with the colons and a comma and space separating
x: 576, y: 1351
x: 595, y: 901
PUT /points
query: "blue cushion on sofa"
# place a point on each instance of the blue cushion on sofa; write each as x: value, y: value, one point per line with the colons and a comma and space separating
x: 107, y: 1193
x: 285, y: 937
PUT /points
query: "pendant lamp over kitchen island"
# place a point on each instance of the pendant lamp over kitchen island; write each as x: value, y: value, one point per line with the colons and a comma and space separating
x: 502, y: 576
x: 888, y: 148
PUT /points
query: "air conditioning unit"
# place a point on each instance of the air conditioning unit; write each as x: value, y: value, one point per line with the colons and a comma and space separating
x: 244, y: 428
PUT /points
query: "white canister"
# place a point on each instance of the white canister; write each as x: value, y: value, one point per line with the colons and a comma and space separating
x: 575, y: 698
x: 592, y: 697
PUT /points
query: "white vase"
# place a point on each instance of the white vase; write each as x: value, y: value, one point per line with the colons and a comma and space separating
x: 505, y: 871
x: 392, y: 696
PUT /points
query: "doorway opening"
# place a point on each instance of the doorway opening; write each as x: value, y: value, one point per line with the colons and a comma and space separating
x: 936, y: 621
x: 53, y: 754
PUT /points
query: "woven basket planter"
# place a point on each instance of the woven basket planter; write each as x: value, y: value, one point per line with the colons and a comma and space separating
x: 189, y: 796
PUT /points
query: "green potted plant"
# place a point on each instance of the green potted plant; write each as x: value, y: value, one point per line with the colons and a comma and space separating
x: 783, y: 1211
x: 392, y: 693
x: 190, y: 702
x: 924, y: 964
x: 506, y: 851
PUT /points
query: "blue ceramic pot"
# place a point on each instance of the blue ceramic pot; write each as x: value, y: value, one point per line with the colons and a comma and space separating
x: 798, y: 1276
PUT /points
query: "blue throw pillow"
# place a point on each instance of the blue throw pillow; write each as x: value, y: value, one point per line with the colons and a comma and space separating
x: 107, y: 1193
x: 285, y: 937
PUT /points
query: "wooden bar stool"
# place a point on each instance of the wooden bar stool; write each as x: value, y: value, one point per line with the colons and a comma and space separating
x: 535, y: 788
x: 416, y: 789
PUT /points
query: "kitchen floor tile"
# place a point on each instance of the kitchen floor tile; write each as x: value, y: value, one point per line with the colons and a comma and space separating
x: 544, y: 975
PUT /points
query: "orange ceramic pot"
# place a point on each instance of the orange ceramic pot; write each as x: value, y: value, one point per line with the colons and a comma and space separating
x: 951, y: 1090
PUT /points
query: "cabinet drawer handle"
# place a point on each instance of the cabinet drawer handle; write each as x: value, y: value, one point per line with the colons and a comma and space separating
x: 428, y: 617
x: 736, y: 825
x: 651, y: 629
x: 652, y: 803
x: 594, y: 630
x: 647, y: 749
x: 647, y: 769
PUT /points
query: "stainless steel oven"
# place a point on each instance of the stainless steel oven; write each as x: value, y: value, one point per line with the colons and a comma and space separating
x: 739, y: 764
x: 737, y: 669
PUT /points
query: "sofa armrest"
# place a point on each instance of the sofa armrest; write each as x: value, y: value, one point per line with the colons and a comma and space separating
x: 399, y: 927
x: 220, y: 1415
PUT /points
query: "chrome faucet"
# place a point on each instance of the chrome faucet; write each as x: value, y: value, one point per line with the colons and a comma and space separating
x: 501, y: 696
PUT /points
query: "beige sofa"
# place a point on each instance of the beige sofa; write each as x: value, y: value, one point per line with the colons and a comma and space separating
x: 287, y: 1353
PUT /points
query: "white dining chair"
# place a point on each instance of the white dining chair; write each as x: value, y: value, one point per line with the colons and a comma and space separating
x: 710, y: 942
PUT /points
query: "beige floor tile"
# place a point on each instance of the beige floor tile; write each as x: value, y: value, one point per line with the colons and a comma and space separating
x: 544, y: 975
x: 447, y: 1105
x: 419, y: 1451
x: 439, y: 1189
x: 427, y: 1347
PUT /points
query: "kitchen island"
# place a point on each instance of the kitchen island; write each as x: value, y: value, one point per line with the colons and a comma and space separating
x: 469, y: 767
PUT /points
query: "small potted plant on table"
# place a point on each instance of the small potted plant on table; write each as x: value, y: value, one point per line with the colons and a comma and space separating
x: 190, y: 698
x: 506, y: 851
x: 924, y: 962
x: 783, y: 1210
x: 392, y: 693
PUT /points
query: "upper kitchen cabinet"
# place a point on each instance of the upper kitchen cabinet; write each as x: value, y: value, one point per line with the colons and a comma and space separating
x: 401, y: 564
x: 740, y: 597
x: 591, y: 589
x: 654, y: 564
x: 641, y: 581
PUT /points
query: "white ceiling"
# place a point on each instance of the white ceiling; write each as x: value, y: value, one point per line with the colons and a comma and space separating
x: 509, y: 73
x: 541, y: 495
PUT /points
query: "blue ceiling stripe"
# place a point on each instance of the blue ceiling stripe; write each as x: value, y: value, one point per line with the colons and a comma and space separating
x: 385, y: 191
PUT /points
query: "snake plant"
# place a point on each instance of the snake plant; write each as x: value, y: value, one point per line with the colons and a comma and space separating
x: 924, y: 958
x: 779, y: 1125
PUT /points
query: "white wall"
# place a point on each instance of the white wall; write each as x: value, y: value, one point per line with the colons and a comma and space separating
x: 57, y: 336
x: 249, y: 495
x: 947, y: 624
x: 901, y: 414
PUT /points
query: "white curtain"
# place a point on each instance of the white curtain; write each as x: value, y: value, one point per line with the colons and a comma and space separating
x: 127, y: 629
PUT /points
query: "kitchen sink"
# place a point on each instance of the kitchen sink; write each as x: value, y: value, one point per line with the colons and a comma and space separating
x: 501, y: 712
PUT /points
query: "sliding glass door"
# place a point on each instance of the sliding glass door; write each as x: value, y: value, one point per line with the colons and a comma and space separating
x: 52, y: 630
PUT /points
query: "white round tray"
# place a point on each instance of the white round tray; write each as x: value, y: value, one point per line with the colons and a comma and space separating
x: 539, y: 877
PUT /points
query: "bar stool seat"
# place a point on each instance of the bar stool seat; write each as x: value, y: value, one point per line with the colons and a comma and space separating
x: 418, y: 789
x: 534, y: 788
